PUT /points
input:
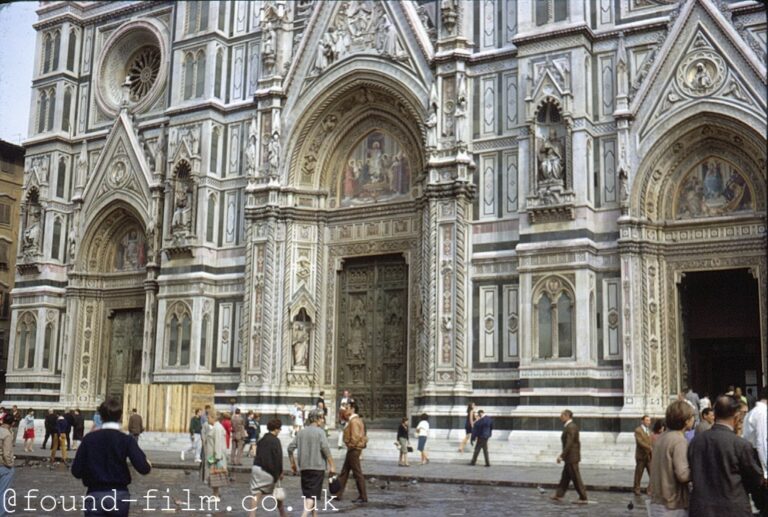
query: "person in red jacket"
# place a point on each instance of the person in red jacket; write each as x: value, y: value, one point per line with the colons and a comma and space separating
x: 226, y: 423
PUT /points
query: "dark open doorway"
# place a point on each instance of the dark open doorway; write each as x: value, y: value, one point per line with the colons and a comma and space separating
x: 721, y: 330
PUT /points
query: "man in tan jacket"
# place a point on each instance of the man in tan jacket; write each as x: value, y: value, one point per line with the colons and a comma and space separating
x: 238, y: 438
x: 642, y: 451
x: 356, y: 440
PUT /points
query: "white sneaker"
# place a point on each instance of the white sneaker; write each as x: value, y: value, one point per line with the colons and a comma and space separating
x: 182, y: 455
x: 198, y: 460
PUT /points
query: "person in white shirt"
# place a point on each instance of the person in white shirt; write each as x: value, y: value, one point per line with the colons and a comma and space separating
x: 422, y: 431
x: 704, y: 403
x: 756, y: 429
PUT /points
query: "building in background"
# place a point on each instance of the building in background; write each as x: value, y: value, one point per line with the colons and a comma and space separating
x: 525, y: 204
x: 11, y: 180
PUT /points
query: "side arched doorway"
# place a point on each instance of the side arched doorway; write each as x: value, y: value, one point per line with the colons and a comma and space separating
x: 697, y: 224
x: 106, y: 303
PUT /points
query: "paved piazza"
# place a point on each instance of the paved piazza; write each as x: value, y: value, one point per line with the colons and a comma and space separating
x: 403, y: 499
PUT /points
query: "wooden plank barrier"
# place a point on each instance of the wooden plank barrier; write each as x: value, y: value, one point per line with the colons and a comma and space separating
x: 165, y: 407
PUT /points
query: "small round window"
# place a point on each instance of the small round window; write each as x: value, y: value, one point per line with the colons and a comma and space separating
x: 143, y: 70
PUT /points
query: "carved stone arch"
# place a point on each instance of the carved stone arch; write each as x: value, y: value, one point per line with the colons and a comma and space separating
x: 99, y: 244
x: 350, y: 91
x: 665, y: 163
x: 553, y: 285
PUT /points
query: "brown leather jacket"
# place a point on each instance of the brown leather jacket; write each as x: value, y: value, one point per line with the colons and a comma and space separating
x: 354, y: 433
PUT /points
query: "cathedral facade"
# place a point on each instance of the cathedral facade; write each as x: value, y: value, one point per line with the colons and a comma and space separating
x: 525, y: 204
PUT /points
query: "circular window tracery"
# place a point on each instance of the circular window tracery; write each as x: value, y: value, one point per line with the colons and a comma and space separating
x: 143, y: 71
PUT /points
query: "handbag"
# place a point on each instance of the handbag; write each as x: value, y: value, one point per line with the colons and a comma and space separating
x: 279, y: 492
x: 410, y: 449
x: 218, y: 476
x: 334, y: 485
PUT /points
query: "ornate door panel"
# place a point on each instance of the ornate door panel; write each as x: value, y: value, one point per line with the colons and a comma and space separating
x: 373, y: 309
x: 124, y: 364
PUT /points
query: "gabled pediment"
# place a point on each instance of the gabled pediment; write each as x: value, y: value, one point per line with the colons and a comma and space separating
x: 340, y: 31
x: 121, y: 170
x: 703, y: 60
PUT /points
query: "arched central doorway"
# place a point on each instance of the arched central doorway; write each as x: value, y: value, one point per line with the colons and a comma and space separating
x: 108, y: 296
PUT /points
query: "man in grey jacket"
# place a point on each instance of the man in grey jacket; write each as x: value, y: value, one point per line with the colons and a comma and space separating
x: 313, y: 459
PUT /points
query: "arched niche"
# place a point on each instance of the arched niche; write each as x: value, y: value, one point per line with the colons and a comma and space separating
x: 114, y: 243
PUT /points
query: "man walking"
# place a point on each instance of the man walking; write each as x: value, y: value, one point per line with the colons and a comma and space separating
x: 69, y: 416
x: 100, y: 462
x: 642, y: 451
x: 135, y: 424
x: 314, y: 458
x: 356, y: 440
x: 724, y: 467
x: 756, y: 429
x: 60, y: 439
x: 50, y: 427
x: 195, y: 428
x: 238, y: 438
x: 571, y: 456
x: 481, y: 432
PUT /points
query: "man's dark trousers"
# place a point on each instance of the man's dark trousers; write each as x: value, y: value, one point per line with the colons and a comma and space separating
x: 571, y: 473
x: 482, y: 443
x: 352, y: 462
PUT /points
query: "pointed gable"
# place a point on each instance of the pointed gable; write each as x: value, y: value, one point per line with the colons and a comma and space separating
x: 702, y: 59
x: 338, y: 31
x: 121, y: 171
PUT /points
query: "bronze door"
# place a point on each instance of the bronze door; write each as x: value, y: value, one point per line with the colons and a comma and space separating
x: 124, y: 367
x: 372, y: 345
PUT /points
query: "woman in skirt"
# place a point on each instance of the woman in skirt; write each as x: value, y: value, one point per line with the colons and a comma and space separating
x: 422, y: 431
x: 471, y: 417
x: 28, y: 425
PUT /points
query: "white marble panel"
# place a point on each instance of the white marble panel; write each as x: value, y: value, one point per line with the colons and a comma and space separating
x: 511, y: 313
x: 488, y: 329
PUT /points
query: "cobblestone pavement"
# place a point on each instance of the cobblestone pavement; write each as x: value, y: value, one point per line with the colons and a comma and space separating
x: 401, y: 498
x: 546, y: 475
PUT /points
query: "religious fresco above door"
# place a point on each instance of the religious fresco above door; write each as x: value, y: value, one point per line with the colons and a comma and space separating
x: 131, y: 253
x: 377, y: 170
x: 713, y: 187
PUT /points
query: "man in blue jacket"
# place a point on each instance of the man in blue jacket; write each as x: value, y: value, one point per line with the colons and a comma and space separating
x: 101, y: 464
x: 481, y: 431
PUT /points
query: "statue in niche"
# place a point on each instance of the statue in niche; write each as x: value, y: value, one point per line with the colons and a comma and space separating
x: 32, y: 232
x: 273, y: 154
x: 432, y: 128
x: 72, y: 239
x: 160, y: 153
x: 460, y: 113
x: 82, y: 163
x: 300, y: 344
x: 324, y: 52
x: 269, y: 40
x: 250, y: 152
x: 181, y: 220
x: 550, y: 160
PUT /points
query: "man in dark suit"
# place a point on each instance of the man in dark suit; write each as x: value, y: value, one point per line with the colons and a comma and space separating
x: 642, y: 451
x: 571, y: 455
x: 724, y: 467
x: 481, y: 432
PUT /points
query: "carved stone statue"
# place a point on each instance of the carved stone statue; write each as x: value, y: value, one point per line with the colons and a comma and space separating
x: 82, y: 164
x: 160, y: 153
x: 268, y: 45
x: 550, y: 160
x: 251, y: 165
x: 72, y: 240
x: 32, y: 233
x: 460, y: 119
x: 273, y: 154
x: 300, y: 344
x: 432, y: 128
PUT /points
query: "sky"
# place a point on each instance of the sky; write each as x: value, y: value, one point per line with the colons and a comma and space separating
x: 17, y: 48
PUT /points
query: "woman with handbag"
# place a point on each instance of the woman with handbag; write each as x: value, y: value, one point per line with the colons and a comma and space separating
x: 402, y: 442
x: 267, y: 470
x: 215, y: 464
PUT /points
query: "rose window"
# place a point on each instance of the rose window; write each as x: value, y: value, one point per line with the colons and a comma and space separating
x: 143, y: 70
